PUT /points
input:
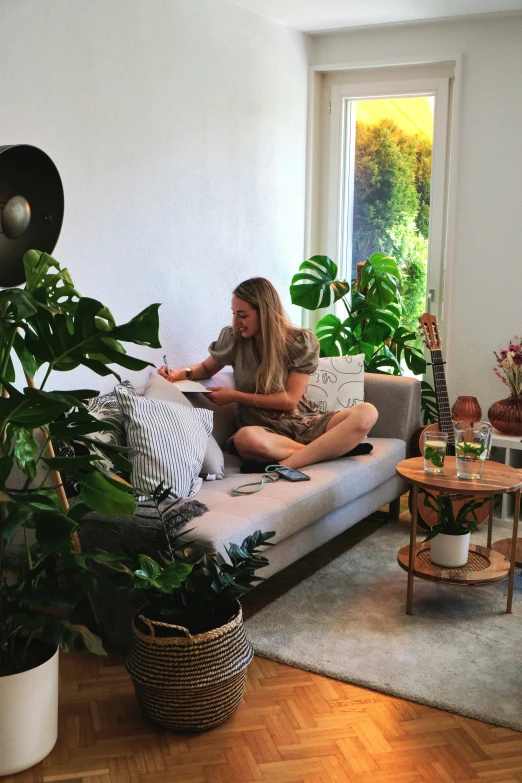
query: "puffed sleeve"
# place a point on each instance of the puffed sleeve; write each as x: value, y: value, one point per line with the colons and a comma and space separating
x: 223, y: 350
x: 303, y: 352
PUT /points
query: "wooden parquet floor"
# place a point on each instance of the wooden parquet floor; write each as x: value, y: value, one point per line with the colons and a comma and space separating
x: 292, y: 727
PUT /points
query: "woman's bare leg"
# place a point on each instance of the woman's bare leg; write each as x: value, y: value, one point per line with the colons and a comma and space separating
x: 256, y: 443
x: 345, y: 430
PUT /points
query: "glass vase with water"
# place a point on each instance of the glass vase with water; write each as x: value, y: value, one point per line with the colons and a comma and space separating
x: 435, y: 445
x: 472, y: 445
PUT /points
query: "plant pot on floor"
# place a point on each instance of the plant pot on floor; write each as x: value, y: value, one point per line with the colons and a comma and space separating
x: 185, y: 682
x: 28, y: 716
x: 450, y: 551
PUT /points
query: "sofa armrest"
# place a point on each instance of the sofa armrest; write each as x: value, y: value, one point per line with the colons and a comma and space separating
x: 398, y: 400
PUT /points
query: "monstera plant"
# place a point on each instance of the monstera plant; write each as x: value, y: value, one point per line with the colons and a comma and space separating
x: 48, y: 327
x: 372, y: 323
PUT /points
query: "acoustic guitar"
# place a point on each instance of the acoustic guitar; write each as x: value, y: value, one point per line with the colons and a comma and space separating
x: 430, y: 329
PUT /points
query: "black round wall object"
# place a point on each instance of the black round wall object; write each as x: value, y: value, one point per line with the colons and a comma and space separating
x: 31, y: 208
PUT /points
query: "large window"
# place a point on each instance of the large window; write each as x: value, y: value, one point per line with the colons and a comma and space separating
x: 381, y: 151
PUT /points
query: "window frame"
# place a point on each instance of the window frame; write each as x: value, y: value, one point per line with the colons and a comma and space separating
x: 314, y: 194
x: 340, y: 176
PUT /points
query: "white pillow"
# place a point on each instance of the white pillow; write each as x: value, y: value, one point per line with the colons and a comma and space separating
x: 167, y: 443
x: 337, y: 383
x: 158, y: 388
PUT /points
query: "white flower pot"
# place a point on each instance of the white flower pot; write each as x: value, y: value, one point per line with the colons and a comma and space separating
x: 449, y: 551
x: 28, y: 716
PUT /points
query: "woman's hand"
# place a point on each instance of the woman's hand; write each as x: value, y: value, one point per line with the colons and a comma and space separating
x: 222, y: 395
x: 172, y: 375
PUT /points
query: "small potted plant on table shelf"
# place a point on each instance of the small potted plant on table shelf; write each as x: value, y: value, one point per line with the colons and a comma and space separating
x: 189, y: 653
x: 450, y: 536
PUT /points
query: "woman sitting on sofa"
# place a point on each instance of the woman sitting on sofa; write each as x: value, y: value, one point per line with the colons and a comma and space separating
x: 272, y: 361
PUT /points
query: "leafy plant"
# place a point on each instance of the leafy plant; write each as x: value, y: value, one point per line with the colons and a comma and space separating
x: 373, y: 315
x: 49, y: 326
x: 429, y: 410
x: 449, y: 523
x: 192, y: 588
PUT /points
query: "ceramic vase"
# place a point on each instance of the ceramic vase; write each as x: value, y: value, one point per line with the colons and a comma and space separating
x: 466, y: 409
x: 506, y: 416
x: 449, y: 551
x: 28, y: 716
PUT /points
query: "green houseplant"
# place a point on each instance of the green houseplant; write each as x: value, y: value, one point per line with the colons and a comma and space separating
x: 48, y: 326
x: 373, y: 323
x: 450, y: 536
x: 189, y: 653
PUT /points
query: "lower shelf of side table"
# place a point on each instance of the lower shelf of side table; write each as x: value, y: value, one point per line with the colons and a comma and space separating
x: 484, y: 566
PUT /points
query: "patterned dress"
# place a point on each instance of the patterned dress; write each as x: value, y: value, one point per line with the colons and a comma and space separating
x: 306, y: 422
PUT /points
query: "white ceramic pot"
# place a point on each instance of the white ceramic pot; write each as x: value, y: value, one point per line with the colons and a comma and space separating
x: 449, y: 551
x: 28, y: 716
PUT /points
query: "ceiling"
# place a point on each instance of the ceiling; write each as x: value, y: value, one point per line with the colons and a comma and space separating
x: 315, y: 15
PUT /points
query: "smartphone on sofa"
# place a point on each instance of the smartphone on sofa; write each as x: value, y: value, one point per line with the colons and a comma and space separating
x: 292, y: 475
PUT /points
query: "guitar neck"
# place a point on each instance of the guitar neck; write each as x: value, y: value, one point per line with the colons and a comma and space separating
x: 442, y: 398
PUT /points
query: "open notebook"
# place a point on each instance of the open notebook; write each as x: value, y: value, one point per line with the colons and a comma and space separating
x: 188, y: 387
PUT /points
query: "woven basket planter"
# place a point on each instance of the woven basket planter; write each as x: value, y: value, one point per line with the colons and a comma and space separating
x: 189, y: 683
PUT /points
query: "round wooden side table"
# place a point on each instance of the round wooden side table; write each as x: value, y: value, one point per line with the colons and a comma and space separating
x: 485, y: 565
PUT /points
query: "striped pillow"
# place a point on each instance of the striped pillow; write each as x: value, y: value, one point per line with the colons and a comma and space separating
x: 167, y: 443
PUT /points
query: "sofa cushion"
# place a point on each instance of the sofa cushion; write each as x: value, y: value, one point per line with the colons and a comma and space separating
x: 289, y: 507
x: 167, y: 443
x: 105, y: 408
x: 158, y: 388
x: 338, y: 382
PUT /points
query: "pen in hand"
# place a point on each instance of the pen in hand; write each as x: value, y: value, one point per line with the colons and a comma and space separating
x: 165, y: 362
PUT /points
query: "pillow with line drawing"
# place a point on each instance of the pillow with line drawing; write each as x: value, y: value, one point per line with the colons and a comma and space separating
x: 338, y: 383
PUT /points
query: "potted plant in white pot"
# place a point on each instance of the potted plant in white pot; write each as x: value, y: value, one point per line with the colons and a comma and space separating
x: 43, y: 574
x: 189, y: 653
x: 450, y: 537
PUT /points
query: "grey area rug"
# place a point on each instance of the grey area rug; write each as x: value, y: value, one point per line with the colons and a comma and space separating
x: 458, y: 652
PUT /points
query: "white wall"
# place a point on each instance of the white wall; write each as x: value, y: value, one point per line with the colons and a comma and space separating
x: 178, y: 127
x: 484, y: 308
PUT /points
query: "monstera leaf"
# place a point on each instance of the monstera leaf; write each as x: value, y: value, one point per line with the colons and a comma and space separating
x: 316, y: 284
x: 36, y: 408
x: 49, y: 283
x: 91, y: 340
x: 50, y: 323
x: 401, y: 347
x: 108, y: 495
x: 380, y: 280
x: 15, y: 305
x: 336, y: 337
x: 383, y: 362
x: 429, y: 410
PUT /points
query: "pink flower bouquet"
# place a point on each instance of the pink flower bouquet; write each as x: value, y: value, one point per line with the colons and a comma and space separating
x: 509, y: 367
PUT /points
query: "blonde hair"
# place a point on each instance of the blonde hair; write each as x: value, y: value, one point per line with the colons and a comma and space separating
x: 260, y: 294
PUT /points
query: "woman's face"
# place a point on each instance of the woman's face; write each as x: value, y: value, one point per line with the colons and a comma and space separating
x: 246, y: 318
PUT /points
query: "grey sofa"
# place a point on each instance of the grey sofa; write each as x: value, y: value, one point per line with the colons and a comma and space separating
x: 303, y: 515
x: 341, y: 492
